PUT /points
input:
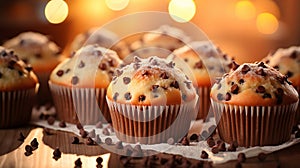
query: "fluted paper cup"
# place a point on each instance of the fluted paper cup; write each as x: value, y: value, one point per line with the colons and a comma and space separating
x: 151, y: 124
x: 84, y: 105
x: 254, y: 125
x: 297, y: 118
x: 204, y: 101
x: 16, y: 107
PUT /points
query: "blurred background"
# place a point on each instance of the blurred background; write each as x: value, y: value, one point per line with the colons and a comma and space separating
x: 245, y: 29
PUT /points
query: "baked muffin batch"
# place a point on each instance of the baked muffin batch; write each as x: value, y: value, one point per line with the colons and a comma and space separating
x: 152, y: 88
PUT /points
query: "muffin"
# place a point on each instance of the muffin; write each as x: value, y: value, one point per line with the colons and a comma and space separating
x: 150, y: 101
x: 160, y: 42
x: 43, y: 54
x: 18, y: 85
x: 202, y: 61
x: 254, y: 105
x: 287, y: 61
x: 79, y: 84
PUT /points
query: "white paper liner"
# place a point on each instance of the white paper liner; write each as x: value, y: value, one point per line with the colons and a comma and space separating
x: 16, y: 107
x: 204, y: 101
x: 155, y: 125
x: 80, y: 104
x: 254, y: 125
x: 297, y: 117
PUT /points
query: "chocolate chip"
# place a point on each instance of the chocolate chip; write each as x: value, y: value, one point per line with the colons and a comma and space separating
x: 154, y: 88
x: 204, y: 155
x: 222, y: 147
x: 281, y: 79
x: 293, y: 55
x: 241, y: 157
x: 186, y: 60
x: 92, y: 134
x: 29, y: 68
x: 245, y: 69
x: 110, y: 62
x: 142, y: 98
x: 20, y: 73
x: 171, y: 64
x: 34, y: 143
x: 81, y: 64
x: 279, y: 95
x: 126, y: 80
x: 28, y: 148
x: 78, y: 162
x: 128, y: 150
x: 47, y: 131
x: 119, y: 145
x: 276, y: 67
x: 108, y: 141
x: 137, y: 151
x: 62, y: 124
x: 28, y: 153
x: 102, y: 66
x: 261, y: 72
x: 210, y: 142
x: 105, y: 132
x: 289, y: 74
x: 127, y: 96
x: 231, y: 148
x: 220, y: 97
x: 234, y: 89
x: 11, y: 64
x: 56, y: 154
x: 262, y: 156
x: 79, y: 126
x: 164, y: 75
x: 99, y: 160
x: 74, y: 80
x: 98, y: 139
x: 267, y: 61
x: 136, y: 59
x: 51, y: 120
x: 21, y: 137
x: 261, y: 64
x: 185, y: 141
x: 116, y: 96
x: 227, y: 96
x: 198, y: 65
x: 215, y: 149
x: 194, y: 137
x: 68, y: 70
x: 260, y: 89
x: 171, y: 141
x: 188, y: 84
x: 98, y: 53
x: 174, y: 84
x: 136, y: 66
x: 75, y: 140
x: 234, y: 65
x: 90, y: 141
x: 99, y: 125
x: 83, y: 133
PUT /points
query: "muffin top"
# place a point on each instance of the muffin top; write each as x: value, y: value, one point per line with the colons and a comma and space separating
x: 287, y: 61
x: 91, y: 66
x: 165, y: 37
x: 255, y: 84
x: 202, y: 61
x: 151, y: 81
x: 36, y: 49
x: 14, y: 73
x: 100, y: 36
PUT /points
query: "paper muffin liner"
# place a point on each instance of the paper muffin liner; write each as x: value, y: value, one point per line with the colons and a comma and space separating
x: 254, y: 125
x: 151, y: 124
x: 204, y: 101
x: 44, y: 95
x: 16, y: 107
x: 297, y: 117
x: 84, y: 105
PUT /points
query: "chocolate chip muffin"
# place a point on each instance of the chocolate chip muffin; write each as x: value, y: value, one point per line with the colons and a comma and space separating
x: 42, y: 53
x: 79, y: 85
x: 203, y: 62
x: 254, y: 105
x: 18, y: 85
x: 287, y: 61
x: 150, y: 101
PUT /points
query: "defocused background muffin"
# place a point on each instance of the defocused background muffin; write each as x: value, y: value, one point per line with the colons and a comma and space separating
x: 79, y: 85
x: 254, y: 105
x: 42, y: 53
x: 287, y: 61
x: 203, y: 62
x: 18, y: 85
x: 150, y: 101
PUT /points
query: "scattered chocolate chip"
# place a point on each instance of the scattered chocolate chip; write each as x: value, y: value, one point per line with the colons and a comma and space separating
x: 164, y: 75
x: 238, y: 165
x: 222, y: 147
x: 28, y: 149
x: 204, y: 155
x: 83, y: 133
x: 136, y: 66
x: 92, y: 134
x: 78, y: 163
x: 137, y: 151
x: 21, y: 137
x: 241, y: 157
x: 47, y: 131
x: 293, y: 55
x: 110, y: 62
x: 198, y: 65
x: 75, y: 140
x: 79, y: 126
x: 154, y: 88
x: 90, y: 141
x: 171, y: 64
x: 116, y: 96
x: 99, y: 160
x: 260, y: 89
x: 51, y: 120
x: 171, y: 141
x: 99, y: 125
x: 194, y: 137
x: 119, y: 145
x: 56, y: 154
x: 245, y: 69
x: 185, y: 141
x: 276, y: 67
x: 186, y: 60
x: 220, y: 97
x: 227, y: 96
x: 136, y: 59
x: 81, y: 64
x: 128, y: 150
x: 234, y: 65
x: 219, y: 86
x: 231, y: 148
x: 74, y: 80
x: 261, y: 72
x: 28, y: 153
x: 126, y: 80
x: 29, y: 68
x: 102, y: 66
x: 219, y: 142
x: 215, y: 149
x: 262, y: 156
x: 62, y: 124
x: 98, y: 139
x: 11, y: 64
x: 142, y: 98
x: 108, y: 141
x: 105, y: 132
x: 289, y: 74
x: 20, y: 73
x: 261, y: 64
x: 34, y: 143
x: 210, y: 142
x: 174, y: 84
x: 234, y: 89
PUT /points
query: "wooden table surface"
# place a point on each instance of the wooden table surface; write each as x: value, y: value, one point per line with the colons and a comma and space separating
x: 12, y: 153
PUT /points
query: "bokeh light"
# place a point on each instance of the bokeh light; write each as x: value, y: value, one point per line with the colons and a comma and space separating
x: 182, y: 10
x: 266, y: 23
x: 245, y: 10
x: 116, y: 5
x: 267, y: 6
x: 56, y: 11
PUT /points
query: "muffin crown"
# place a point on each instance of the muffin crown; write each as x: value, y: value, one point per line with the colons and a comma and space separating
x: 91, y: 66
x: 205, y: 61
x: 35, y: 49
x: 14, y: 73
x: 151, y: 81
x: 254, y: 84
x: 286, y: 61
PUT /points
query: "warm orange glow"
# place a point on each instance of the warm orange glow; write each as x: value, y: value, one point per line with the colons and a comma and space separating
x: 116, y: 5
x: 245, y: 10
x: 182, y: 10
x: 56, y: 11
x: 266, y: 23
x: 267, y: 6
